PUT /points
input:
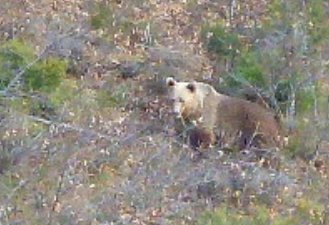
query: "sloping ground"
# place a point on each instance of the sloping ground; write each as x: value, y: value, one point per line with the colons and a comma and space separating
x: 132, y: 175
x: 119, y: 163
x: 129, y: 177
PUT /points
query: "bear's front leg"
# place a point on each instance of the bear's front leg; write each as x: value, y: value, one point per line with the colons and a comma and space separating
x: 200, y: 138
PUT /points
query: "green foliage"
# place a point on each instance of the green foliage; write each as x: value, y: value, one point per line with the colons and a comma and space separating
x: 227, y: 216
x: 65, y: 92
x: 248, y: 72
x: 316, y: 11
x: 45, y: 105
x: 305, y: 94
x: 35, y: 128
x: 102, y: 17
x: 250, y: 68
x: 310, y: 210
x: 220, y: 41
x: 14, y: 55
x: 282, y: 14
x: 192, y: 3
x: 9, y: 182
x: 126, y: 26
x: 294, y: 148
x: 112, y: 98
x: 46, y: 75
x: 283, y: 90
x: 305, y: 99
x: 42, y: 107
x: 318, y: 25
x: 313, y: 16
x: 306, y: 210
x: 300, y: 144
x: 20, y: 104
x: 5, y: 159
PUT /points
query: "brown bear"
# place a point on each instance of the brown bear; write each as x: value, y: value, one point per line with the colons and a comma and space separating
x: 230, y: 121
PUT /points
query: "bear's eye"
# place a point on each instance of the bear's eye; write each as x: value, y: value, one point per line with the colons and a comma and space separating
x: 171, y: 100
x: 181, y: 100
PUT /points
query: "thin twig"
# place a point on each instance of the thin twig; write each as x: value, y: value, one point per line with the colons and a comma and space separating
x: 56, y: 197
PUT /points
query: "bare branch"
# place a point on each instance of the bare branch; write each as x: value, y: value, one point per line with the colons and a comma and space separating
x: 56, y: 197
x: 69, y: 126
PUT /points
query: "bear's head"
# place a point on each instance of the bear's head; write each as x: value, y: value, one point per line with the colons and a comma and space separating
x: 186, y: 98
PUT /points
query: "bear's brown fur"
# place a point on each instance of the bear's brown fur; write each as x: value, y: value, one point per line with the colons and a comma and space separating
x: 232, y: 120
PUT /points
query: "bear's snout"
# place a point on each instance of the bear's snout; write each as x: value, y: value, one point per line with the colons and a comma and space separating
x: 176, y: 108
x: 176, y: 114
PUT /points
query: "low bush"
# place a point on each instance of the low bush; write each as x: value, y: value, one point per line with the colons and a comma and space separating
x: 217, y: 39
x: 14, y: 55
x: 102, y: 16
x: 46, y: 75
x: 304, y: 212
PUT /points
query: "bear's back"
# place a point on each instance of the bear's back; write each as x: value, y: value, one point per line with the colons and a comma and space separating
x: 249, y: 122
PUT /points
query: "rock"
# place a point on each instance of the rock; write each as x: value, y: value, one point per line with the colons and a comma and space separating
x: 206, y: 189
x: 130, y: 69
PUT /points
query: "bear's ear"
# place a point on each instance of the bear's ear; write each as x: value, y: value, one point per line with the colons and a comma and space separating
x: 170, y: 81
x: 191, y: 87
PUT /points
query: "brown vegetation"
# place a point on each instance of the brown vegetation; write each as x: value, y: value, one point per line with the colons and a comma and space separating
x: 85, y: 131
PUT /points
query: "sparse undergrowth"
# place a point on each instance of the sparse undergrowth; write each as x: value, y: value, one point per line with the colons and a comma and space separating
x: 97, y: 146
x: 305, y: 211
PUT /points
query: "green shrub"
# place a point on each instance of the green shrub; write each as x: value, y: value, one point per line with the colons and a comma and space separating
x: 228, y: 216
x: 305, y: 99
x: 6, y: 159
x: 65, y: 92
x: 20, y: 104
x: 307, y: 212
x: 249, y: 70
x: 310, y: 210
x: 305, y: 94
x: 318, y: 25
x: 220, y: 41
x: 112, y: 98
x: 283, y: 90
x: 102, y: 16
x: 14, y: 55
x: 46, y: 75
x: 42, y: 107
x: 300, y: 144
